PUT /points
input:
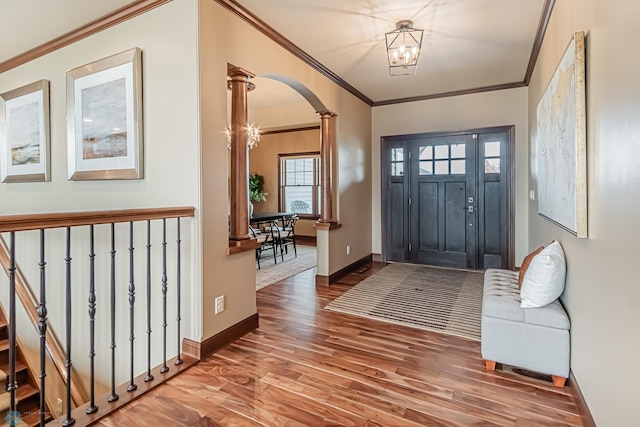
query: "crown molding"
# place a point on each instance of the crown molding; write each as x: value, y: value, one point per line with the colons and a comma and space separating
x: 537, y: 43
x: 491, y: 88
x: 270, y: 32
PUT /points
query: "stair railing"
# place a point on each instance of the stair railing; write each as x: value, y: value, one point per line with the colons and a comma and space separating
x: 29, y: 302
x: 90, y: 412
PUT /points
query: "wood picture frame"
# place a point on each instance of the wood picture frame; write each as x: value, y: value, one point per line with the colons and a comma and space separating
x: 104, y: 118
x: 25, y: 134
x: 562, y: 143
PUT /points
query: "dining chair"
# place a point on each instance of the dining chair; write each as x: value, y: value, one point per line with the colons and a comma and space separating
x: 288, y: 235
x: 268, y: 241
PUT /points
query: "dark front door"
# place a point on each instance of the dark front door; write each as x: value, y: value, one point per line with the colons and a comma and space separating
x: 445, y: 198
x: 443, y: 180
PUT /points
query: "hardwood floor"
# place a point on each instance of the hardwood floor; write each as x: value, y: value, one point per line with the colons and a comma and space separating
x: 306, y: 366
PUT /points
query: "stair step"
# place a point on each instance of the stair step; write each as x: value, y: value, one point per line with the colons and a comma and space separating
x: 19, y: 367
x: 4, y: 344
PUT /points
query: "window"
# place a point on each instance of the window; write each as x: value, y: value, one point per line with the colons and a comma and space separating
x: 492, y: 157
x: 300, y: 184
x: 397, y: 161
x: 442, y: 159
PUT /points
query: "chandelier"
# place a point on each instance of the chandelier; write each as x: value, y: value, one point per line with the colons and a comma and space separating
x: 253, y: 136
x: 403, y: 48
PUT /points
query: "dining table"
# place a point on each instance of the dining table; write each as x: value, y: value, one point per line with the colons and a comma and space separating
x: 261, y: 217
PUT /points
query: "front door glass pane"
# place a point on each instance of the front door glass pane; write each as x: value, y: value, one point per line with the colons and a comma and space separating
x: 442, y: 152
x: 492, y: 149
x: 442, y: 167
x: 458, y: 166
x: 397, y: 154
x: 397, y: 169
x: 491, y: 165
x: 426, y: 167
x: 426, y: 153
x: 457, y: 151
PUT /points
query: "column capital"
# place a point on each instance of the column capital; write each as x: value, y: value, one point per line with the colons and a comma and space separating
x: 233, y: 71
x: 326, y: 114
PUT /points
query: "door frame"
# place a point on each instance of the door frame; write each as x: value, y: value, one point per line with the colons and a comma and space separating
x: 509, y: 179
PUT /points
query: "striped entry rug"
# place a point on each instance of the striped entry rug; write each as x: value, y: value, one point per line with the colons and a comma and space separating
x: 437, y: 299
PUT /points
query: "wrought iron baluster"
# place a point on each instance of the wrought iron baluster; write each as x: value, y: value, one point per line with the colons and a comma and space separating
x: 42, y: 329
x: 92, y: 321
x: 149, y: 377
x: 69, y: 420
x: 164, y: 368
x: 132, y: 300
x: 113, y: 397
x: 12, y: 385
x: 178, y: 241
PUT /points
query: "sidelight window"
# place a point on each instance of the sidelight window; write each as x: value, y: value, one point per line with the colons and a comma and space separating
x: 492, y: 157
x: 397, y: 161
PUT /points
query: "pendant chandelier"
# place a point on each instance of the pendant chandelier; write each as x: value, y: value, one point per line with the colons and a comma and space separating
x: 253, y: 136
x: 403, y: 48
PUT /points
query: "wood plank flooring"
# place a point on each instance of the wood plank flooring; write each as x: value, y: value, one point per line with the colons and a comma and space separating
x: 306, y: 366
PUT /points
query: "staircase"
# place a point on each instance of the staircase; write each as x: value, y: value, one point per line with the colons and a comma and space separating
x: 27, y: 394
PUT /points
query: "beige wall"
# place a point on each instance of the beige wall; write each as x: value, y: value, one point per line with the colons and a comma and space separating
x: 167, y: 37
x: 352, y: 186
x: 264, y: 160
x: 602, y: 294
x: 499, y: 108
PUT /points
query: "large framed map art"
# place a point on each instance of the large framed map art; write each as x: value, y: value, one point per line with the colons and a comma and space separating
x: 562, y: 145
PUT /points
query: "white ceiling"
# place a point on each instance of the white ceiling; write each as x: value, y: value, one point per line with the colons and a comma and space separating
x: 467, y: 43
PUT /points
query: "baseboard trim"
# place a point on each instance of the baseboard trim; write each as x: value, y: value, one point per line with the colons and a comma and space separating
x: 204, y: 349
x: 329, y: 280
x: 377, y: 258
x: 322, y: 280
x: 581, y: 404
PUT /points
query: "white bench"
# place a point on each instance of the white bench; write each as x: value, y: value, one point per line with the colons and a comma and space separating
x: 536, y: 339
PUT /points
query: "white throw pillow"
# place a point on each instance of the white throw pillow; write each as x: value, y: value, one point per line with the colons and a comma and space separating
x: 543, y: 281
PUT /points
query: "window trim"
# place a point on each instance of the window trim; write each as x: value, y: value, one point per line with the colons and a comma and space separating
x: 315, y: 196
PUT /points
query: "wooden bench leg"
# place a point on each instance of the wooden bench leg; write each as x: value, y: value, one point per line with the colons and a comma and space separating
x: 490, y: 364
x: 558, y: 381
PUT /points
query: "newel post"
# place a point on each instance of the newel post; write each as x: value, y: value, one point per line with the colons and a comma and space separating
x: 327, y: 132
x: 239, y: 227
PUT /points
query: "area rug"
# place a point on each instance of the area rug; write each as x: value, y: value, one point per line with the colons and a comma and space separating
x: 270, y: 273
x: 437, y: 299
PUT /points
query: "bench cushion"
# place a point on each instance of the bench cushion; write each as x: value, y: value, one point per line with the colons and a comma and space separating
x: 501, y: 300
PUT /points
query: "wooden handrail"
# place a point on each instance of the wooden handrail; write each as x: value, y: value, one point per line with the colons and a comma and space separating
x: 53, y: 348
x: 73, y: 219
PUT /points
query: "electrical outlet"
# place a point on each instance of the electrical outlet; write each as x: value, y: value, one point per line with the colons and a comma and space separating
x: 59, y: 406
x: 348, y: 249
x: 219, y: 304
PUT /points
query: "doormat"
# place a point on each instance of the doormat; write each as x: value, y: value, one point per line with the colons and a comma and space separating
x: 436, y: 299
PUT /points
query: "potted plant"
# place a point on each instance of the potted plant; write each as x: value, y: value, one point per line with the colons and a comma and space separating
x: 256, y: 190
